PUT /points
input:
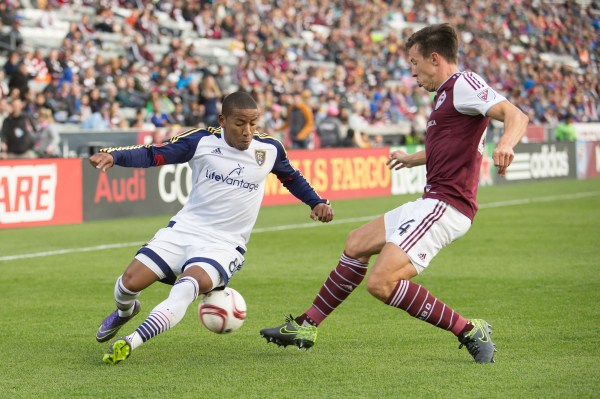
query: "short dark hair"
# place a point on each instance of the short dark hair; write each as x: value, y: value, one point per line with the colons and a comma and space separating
x: 238, y: 100
x: 440, y: 38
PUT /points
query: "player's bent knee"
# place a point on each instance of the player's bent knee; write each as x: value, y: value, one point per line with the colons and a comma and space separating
x: 354, y: 245
x: 138, y: 276
x: 379, y: 287
x: 205, y: 282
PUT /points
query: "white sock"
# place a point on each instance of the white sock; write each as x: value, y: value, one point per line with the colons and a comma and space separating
x: 124, y: 298
x: 167, y: 313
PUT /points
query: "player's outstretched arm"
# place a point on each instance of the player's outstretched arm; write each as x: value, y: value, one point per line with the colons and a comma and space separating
x: 400, y: 159
x: 515, y: 126
x: 322, y: 212
x: 102, y: 161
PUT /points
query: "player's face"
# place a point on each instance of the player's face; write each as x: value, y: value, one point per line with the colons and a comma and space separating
x: 423, y: 69
x: 239, y: 127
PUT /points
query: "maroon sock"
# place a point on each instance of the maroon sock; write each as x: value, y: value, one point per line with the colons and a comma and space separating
x: 341, y: 282
x: 419, y: 303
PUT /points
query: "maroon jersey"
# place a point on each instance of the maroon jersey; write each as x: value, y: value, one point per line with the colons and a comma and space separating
x: 455, y: 140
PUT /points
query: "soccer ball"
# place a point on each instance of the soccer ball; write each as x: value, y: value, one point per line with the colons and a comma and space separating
x: 222, y: 311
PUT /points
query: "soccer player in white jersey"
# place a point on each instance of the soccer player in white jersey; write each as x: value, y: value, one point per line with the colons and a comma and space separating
x: 408, y: 237
x: 205, y: 242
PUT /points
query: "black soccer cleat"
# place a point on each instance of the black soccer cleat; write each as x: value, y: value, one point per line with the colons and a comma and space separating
x: 478, y: 342
x: 291, y: 333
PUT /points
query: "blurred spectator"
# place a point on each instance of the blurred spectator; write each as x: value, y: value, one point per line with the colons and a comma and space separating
x: 116, y: 118
x: 178, y: 117
x: 4, y: 110
x: 53, y: 64
x: 48, y: 19
x: 74, y: 103
x: 12, y: 64
x: 357, y: 122
x: 85, y: 109
x: 300, y: 120
x: 349, y: 141
x: 127, y: 94
x: 565, y: 131
x: 195, y: 115
x: 4, y: 91
x: 47, y: 136
x: 17, y: 133
x: 13, y: 39
x: 329, y: 129
x: 274, y: 122
x: 20, y: 80
x: 362, y: 140
x: 98, y: 120
x: 140, y: 122
x: 377, y: 141
x: 39, y: 102
x: 159, y: 118
x: 138, y: 51
x: 209, y: 96
x: 158, y: 136
x: 344, y: 52
x: 105, y: 20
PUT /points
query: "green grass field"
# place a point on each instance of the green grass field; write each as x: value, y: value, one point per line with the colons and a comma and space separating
x: 529, y: 265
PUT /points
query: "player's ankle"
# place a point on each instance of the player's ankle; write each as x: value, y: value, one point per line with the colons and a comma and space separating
x: 303, y: 319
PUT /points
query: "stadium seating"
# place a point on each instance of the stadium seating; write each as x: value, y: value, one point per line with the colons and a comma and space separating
x: 354, y: 53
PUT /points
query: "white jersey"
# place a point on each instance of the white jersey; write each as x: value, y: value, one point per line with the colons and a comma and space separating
x: 227, y: 184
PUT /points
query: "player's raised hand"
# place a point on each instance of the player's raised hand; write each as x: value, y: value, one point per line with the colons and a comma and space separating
x: 322, y: 212
x: 102, y: 161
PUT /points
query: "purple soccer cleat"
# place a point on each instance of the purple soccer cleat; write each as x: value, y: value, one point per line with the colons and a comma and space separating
x: 113, y: 323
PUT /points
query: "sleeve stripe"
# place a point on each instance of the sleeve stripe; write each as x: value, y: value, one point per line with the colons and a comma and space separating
x: 474, y: 83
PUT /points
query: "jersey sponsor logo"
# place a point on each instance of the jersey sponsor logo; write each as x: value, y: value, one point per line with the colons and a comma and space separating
x: 440, y: 100
x: 430, y: 123
x: 260, y: 156
x: 27, y: 193
x: 237, y: 170
x: 232, y: 181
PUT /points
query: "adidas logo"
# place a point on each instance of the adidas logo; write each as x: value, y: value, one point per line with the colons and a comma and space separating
x: 216, y: 151
x: 422, y: 256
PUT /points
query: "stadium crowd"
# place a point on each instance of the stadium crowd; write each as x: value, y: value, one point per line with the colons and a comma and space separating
x: 335, y: 64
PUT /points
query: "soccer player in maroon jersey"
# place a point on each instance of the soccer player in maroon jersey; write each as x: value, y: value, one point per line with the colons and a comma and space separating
x: 408, y: 237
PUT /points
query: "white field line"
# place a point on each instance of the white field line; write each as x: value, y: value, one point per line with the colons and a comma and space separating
x: 497, y: 204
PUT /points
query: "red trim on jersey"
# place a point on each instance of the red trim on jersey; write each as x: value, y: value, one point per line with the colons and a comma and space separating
x: 471, y: 80
x: 159, y: 159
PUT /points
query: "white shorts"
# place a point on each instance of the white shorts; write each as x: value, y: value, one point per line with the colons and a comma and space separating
x: 171, y: 251
x: 423, y: 227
